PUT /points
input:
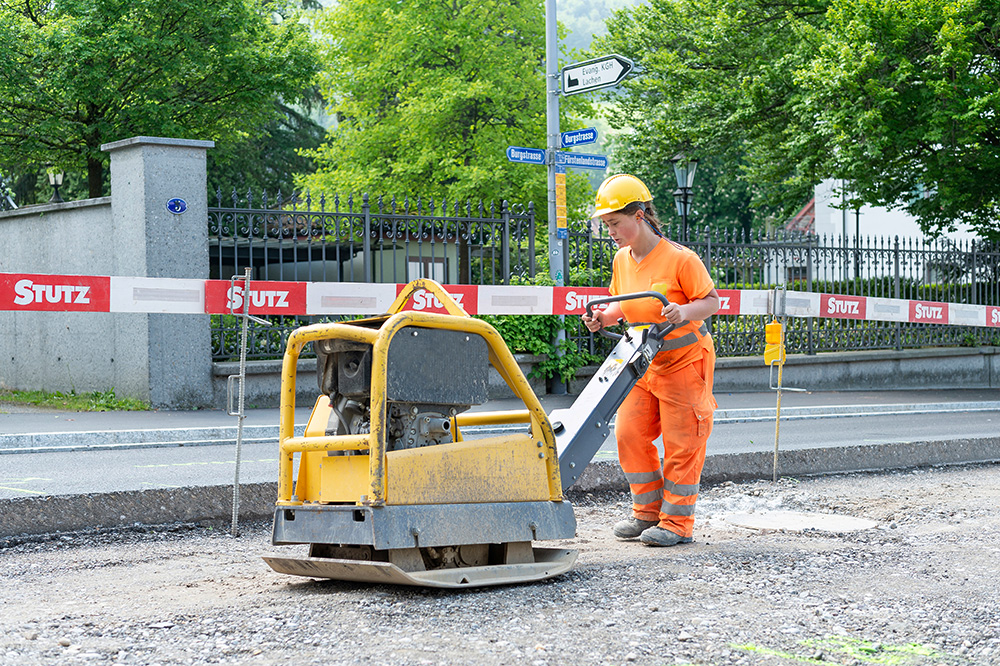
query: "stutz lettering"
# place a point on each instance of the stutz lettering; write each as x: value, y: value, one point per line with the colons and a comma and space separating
x: 258, y: 299
x: 840, y: 306
x: 575, y: 301
x: 996, y: 316
x: 424, y: 299
x: 724, y: 302
x: 929, y: 312
x: 27, y: 292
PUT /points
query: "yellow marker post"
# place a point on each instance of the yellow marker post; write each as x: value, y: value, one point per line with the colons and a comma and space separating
x: 774, y: 352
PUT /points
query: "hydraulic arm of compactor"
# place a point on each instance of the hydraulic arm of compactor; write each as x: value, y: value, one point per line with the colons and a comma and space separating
x: 387, y: 489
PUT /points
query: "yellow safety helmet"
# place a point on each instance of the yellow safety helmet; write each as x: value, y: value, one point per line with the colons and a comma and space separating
x: 618, y: 191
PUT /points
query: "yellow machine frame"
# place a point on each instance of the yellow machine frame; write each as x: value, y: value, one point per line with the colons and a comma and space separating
x: 528, y: 464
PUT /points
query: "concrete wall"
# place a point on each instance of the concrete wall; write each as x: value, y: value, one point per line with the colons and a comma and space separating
x: 162, y: 358
x: 264, y: 381
x: 150, y: 241
x: 974, y: 367
x: 69, y: 350
x: 933, y: 368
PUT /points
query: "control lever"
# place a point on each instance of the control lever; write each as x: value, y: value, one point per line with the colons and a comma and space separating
x: 657, y: 331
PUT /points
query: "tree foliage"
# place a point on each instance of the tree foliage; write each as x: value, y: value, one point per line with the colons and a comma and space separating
x: 428, y: 94
x: 905, y: 93
x: 584, y: 19
x: 896, y: 97
x: 712, y: 82
x: 268, y: 160
x: 75, y: 74
x: 721, y: 200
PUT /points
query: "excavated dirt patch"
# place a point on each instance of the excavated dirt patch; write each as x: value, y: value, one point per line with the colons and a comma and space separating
x: 919, y: 588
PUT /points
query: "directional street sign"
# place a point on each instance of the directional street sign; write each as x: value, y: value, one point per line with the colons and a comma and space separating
x: 525, y: 155
x: 602, y: 72
x: 581, y: 160
x: 579, y: 137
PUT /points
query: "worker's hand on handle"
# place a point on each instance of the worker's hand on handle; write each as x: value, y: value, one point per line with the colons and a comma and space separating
x: 698, y: 309
x: 593, y: 324
x: 673, y: 313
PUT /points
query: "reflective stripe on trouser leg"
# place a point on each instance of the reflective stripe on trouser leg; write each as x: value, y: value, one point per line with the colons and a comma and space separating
x: 686, y: 422
x: 636, y: 426
x: 647, y: 490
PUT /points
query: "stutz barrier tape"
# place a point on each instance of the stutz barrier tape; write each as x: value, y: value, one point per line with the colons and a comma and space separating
x: 424, y: 301
x: 269, y: 298
x: 34, y: 292
x: 56, y: 293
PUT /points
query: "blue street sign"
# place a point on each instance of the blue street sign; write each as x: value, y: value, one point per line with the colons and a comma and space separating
x: 582, y: 160
x: 525, y: 155
x: 579, y: 137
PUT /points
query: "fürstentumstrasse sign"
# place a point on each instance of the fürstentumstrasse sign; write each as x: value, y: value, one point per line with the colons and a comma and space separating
x: 602, y: 72
x: 581, y: 160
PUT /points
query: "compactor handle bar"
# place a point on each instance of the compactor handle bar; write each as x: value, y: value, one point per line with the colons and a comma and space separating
x: 626, y: 297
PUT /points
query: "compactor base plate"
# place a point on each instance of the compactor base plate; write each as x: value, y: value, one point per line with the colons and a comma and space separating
x: 548, y: 562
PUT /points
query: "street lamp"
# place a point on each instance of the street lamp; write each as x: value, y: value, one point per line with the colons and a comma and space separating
x: 55, y: 180
x: 684, y: 169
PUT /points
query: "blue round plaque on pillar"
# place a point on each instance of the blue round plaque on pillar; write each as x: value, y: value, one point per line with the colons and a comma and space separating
x: 177, y: 206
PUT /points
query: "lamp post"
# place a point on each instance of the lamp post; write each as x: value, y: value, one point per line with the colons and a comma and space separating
x: 56, y: 181
x: 684, y: 169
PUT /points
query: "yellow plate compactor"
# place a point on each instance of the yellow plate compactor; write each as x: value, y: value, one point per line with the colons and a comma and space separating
x: 383, y: 487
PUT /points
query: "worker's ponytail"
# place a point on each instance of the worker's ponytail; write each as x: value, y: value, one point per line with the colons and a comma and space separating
x: 649, y: 214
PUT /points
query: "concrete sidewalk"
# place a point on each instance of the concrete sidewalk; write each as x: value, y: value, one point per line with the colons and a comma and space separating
x: 34, y: 430
x: 70, y: 471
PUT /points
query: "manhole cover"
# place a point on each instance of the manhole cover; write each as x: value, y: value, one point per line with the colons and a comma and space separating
x: 794, y: 521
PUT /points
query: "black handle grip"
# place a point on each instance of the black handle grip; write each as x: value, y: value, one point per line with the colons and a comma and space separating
x: 624, y: 297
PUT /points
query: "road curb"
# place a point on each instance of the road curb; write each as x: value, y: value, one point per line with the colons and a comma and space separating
x: 70, y: 513
x: 67, y: 513
x: 606, y: 475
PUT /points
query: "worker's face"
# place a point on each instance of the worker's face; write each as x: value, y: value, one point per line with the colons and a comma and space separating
x: 624, y: 229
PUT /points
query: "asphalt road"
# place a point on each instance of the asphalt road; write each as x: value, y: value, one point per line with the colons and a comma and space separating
x: 122, y: 469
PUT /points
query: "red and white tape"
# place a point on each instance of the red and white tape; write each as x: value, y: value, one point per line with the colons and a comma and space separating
x: 85, y: 293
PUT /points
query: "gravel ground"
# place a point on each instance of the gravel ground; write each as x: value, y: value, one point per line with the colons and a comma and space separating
x: 920, y: 588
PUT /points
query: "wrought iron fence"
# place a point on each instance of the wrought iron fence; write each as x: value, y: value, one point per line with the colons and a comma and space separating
x: 385, y: 240
x: 909, y: 268
x: 305, y: 239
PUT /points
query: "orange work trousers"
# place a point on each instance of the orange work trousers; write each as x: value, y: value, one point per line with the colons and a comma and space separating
x: 677, y: 406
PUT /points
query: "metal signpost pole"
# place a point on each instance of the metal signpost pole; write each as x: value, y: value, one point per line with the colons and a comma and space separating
x: 552, y: 90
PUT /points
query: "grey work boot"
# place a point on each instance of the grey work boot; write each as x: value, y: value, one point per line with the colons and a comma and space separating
x: 630, y: 528
x: 657, y: 536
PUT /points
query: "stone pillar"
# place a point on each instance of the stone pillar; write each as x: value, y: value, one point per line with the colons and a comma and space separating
x: 150, y: 239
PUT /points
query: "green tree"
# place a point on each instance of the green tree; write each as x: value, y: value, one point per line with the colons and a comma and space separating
x: 75, y: 74
x: 721, y: 201
x: 268, y: 160
x: 897, y: 97
x: 714, y: 81
x: 904, y: 94
x: 428, y: 95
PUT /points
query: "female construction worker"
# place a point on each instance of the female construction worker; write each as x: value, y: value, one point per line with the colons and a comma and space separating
x: 674, y: 398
